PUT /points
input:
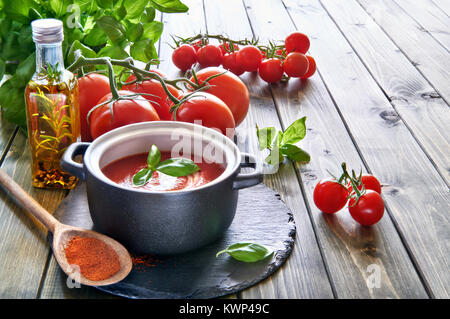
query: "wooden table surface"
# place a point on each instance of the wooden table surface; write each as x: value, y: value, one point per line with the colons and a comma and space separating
x: 379, y: 101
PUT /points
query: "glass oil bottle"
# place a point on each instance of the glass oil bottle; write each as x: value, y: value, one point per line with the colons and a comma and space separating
x: 52, y: 108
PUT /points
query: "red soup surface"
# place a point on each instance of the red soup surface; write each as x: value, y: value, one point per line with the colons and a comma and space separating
x: 122, y: 171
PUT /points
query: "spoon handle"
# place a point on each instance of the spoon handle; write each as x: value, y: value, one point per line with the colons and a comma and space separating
x: 28, y: 202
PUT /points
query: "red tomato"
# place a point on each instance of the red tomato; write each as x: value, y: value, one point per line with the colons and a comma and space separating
x: 207, y: 110
x: 280, y: 52
x: 368, y: 210
x: 159, y: 100
x: 369, y: 182
x: 124, y: 112
x: 184, y: 57
x: 197, y: 45
x: 225, y: 48
x: 157, y: 72
x: 271, y: 70
x: 297, y: 42
x: 311, y: 67
x: 296, y: 64
x: 330, y: 196
x: 91, y: 88
x: 229, y: 88
x: 249, y: 58
x: 209, y: 55
x: 229, y: 63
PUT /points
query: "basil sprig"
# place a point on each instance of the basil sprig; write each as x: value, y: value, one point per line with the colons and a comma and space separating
x: 173, y: 166
x: 247, y: 252
x: 282, y: 144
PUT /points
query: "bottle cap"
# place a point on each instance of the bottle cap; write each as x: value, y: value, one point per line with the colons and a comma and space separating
x: 47, y: 30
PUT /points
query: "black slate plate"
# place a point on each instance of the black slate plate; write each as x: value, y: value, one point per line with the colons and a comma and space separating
x: 261, y: 217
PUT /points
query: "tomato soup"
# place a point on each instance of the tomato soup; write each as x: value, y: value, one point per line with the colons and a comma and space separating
x: 122, y: 171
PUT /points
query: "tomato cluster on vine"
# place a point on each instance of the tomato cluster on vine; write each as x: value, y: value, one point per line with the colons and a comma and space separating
x: 362, y: 193
x: 273, y: 62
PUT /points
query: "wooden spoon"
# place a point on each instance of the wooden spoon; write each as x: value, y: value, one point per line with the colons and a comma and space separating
x: 63, y: 233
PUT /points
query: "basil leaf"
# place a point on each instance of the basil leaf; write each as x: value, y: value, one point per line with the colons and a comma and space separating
x: 154, y: 157
x: 143, y: 50
x: 169, y: 6
x: 135, y: 8
x: 153, y: 30
x: 149, y: 15
x: 113, y: 28
x: 59, y: 7
x: 295, y: 153
x: 114, y: 52
x: 177, y: 167
x: 104, y: 3
x: 85, y: 51
x: 142, y: 177
x: 135, y: 31
x: 86, y: 6
x: 265, y: 137
x: 26, y: 69
x: 278, y: 140
x: 18, y: 10
x: 275, y: 157
x: 295, y: 132
x: 13, y: 103
x: 247, y: 252
x: 95, y: 37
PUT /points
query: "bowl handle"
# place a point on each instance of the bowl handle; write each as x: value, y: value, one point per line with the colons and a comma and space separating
x: 244, y: 180
x: 67, y: 162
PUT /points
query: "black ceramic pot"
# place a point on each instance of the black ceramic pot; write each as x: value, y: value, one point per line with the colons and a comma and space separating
x: 168, y: 222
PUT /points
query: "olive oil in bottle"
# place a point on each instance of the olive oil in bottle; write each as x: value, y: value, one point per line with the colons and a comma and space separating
x: 51, y: 99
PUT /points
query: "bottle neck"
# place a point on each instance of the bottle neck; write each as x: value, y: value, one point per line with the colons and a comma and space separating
x: 49, y: 53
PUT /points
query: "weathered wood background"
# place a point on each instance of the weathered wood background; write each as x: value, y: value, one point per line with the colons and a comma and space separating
x: 379, y: 101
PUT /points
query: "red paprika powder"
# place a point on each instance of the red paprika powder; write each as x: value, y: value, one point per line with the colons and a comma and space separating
x: 97, y: 260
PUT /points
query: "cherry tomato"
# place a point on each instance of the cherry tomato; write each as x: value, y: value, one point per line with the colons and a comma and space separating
x: 184, y: 57
x: 296, y: 64
x: 124, y: 112
x: 330, y: 196
x: 249, y: 58
x: 280, y: 52
x: 271, y: 70
x: 368, y: 210
x: 229, y: 88
x: 209, y: 55
x: 229, y: 63
x: 207, y: 110
x: 91, y: 88
x: 197, y: 45
x: 158, y: 72
x: 225, y: 48
x: 311, y: 67
x: 297, y: 42
x: 159, y: 100
x: 369, y: 182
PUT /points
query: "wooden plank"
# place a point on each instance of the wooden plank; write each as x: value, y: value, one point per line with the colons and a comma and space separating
x: 24, y: 248
x: 416, y: 196
x: 417, y: 103
x: 350, y: 250
x: 430, y: 17
x: 304, y: 274
x: 444, y: 5
x: 427, y: 55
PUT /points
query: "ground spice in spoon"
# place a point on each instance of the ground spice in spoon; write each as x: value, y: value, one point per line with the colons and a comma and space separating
x: 97, y: 260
